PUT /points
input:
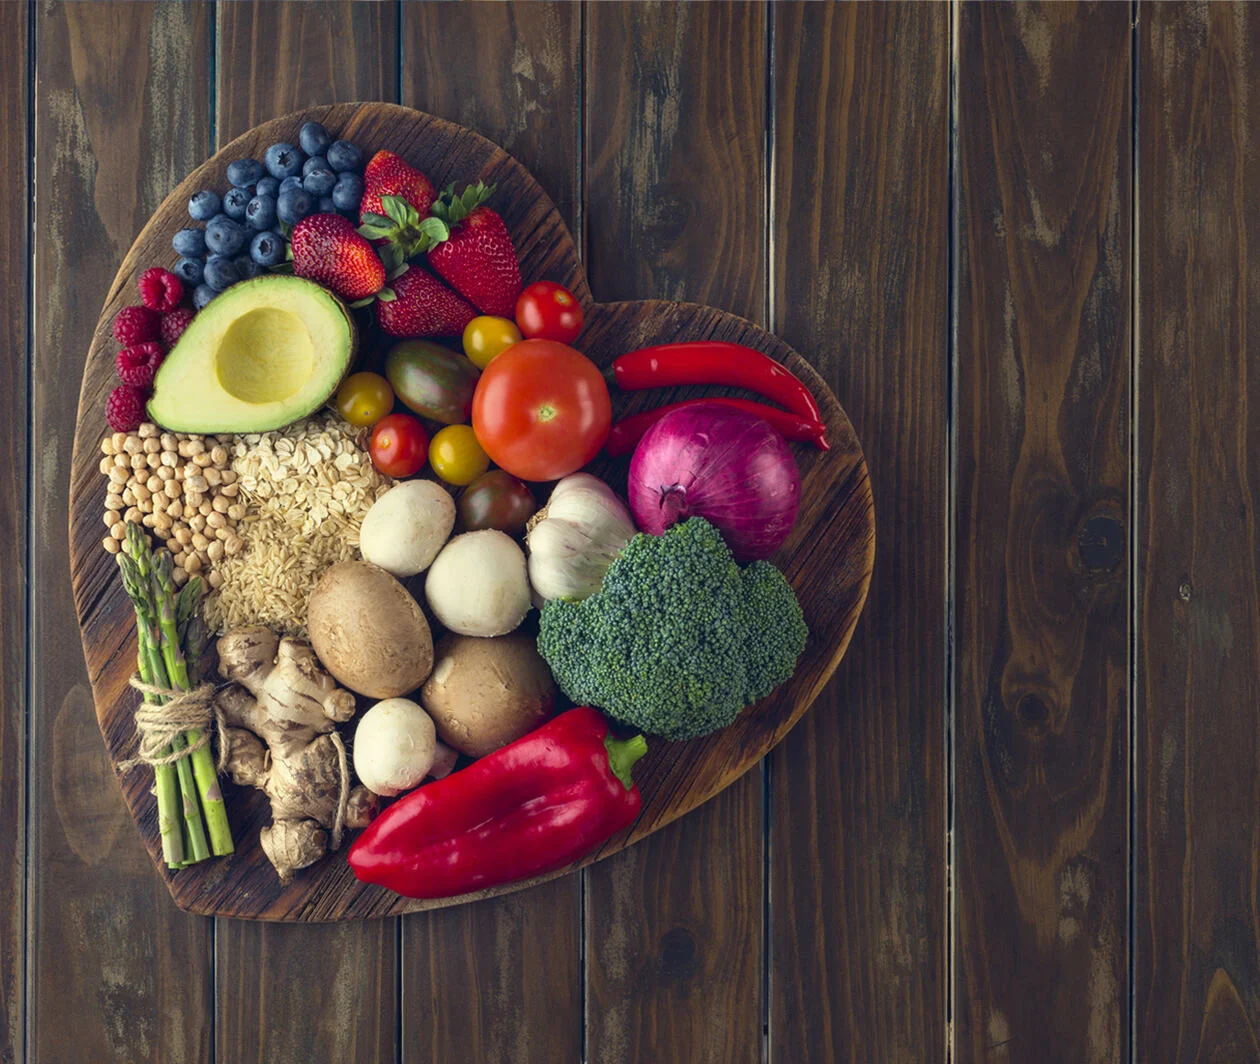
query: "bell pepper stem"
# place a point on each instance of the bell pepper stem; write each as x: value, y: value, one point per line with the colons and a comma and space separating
x: 622, y: 754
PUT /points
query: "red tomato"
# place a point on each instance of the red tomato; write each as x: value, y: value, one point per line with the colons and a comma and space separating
x: 399, y: 446
x: 549, y: 311
x: 541, y: 410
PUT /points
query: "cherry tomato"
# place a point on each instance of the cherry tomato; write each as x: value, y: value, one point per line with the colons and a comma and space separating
x: 487, y: 336
x: 496, y: 500
x: 456, y: 456
x: 541, y: 410
x: 399, y: 446
x: 549, y: 311
x: 364, y: 398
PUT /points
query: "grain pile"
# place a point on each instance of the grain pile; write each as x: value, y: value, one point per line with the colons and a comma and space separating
x: 306, y: 489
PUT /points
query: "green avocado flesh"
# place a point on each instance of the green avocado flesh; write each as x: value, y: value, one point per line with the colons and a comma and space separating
x: 265, y: 353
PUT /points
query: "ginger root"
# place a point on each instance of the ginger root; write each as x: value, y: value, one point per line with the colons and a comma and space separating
x: 280, y: 710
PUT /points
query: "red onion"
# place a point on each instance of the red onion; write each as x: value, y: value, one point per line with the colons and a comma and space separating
x: 725, y: 465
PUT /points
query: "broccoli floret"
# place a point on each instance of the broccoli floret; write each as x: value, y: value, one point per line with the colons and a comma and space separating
x: 678, y: 639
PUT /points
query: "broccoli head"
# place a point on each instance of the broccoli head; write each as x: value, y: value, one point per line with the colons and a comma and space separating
x: 678, y: 639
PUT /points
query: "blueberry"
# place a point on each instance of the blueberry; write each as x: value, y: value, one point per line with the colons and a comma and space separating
x: 267, y: 249
x: 290, y: 182
x: 190, y: 271
x: 326, y: 205
x: 221, y: 272
x: 348, y: 192
x: 283, y: 160
x: 204, y: 205
x: 244, y: 173
x: 314, y: 138
x: 267, y: 186
x: 344, y: 156
x: 235, y: 202
x: 202, y: 295
x: 315, y: 162
x: 261, y: 212
x: 225, y: 236
x: 246, y: 267
x: 319, y: 182
x: 190, y: 242
x: 294, y: 205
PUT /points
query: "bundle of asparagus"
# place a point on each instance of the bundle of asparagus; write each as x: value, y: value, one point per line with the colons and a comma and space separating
x: 173, y: 637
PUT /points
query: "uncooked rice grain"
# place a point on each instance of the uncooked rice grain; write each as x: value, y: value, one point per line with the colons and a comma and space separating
x: 305, y: 490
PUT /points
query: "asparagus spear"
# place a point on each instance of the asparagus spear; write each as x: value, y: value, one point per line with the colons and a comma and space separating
x: 165, y: 784
x: 159, y: 665
x: 207, y: 777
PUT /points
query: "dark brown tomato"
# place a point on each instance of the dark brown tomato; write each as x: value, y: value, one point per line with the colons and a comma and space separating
x: 432, y: 380
x: 496, y: 500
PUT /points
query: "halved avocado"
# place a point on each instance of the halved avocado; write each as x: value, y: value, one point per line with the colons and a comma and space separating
x: 265, y: 353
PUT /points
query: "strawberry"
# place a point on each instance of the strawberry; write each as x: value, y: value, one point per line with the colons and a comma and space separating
x: 418, y: 304
x: 471, y: 249
x: 388, y: 175
x: 327, y: 249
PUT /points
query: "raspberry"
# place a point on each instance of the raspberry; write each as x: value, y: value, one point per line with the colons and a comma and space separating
x: 136, y: 325
x: 138, y: 365
x: 124, y: 410
x: 160, y: 289
x: 174, y: 322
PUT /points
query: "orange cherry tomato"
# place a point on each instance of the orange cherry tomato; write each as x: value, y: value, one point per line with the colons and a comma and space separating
x: 541, y: 410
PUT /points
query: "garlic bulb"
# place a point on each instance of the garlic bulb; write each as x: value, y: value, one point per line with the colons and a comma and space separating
x: 574, y: 538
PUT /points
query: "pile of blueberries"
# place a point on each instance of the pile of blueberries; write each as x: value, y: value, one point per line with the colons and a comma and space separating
x: 246, y: 229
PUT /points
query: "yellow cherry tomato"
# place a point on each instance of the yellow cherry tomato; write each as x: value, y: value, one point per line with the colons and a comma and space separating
x: 364, y: 398
x: 456, y: 456
x: 486, y: 336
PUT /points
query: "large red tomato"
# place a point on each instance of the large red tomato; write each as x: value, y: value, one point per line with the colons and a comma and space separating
x: 541, y: 410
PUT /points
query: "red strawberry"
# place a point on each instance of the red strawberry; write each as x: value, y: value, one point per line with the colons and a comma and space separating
x: 136, y: 325
x: 174, y: 322
x: 160, y: 289
x: 475, y: 255
x: 388, y: 175
x: 422, y: 306
x: 138, y: 365
x: 327, y: 249
x: 124, y: 409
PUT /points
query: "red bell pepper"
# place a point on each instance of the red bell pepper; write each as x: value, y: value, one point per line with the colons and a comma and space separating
x: 630, y: 430
x: 536, y: 805
x: 714, y: 362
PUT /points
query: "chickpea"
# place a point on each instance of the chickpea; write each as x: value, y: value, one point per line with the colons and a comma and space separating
x: 111, y: 517
x: 215, y: 551
x: 216, y: 520
x: 153, y: 460
x: 220, y: 504
x: 138, y: 462
x: 183, y: 535
x: 111, y: 544
x: 201, y: 461
x: 118, y: 476
x: 179, y: 473
x: 153, y: 485
x: 180, y: 558
x: 118, y: 530
x: 233, y: 544
x: 129, y: 497
x: 193, y: 498
x: 133, y: 515
x: 136, y: 494
x: 169, y: 459
x: 114, y: 502
x: 196, y: 522
x: 193, y: 564
x: 147, y: 506
x: 165, y: 473
x: 180, y: 575
x: 197, y: 484
x: 215, y: 580
x: 161, y: 521
x: 175, y: 508
x: 236, y: 512
x: 205, y: 509
x: 196, y: 447
x: 169, y: 443
x: 107, y: 465
x: 213, y: 477
x: 172, y: 489
x: 218, y: 455
x: 118, y: 441
x: 133, y: 445
x: 151, y: 445
x: 182, y: 450
x: 147, y: 520
x: 122, y: 461
x: 200, y: 542
x: 148, y: 431
x: 222, y: 534
x: 230, y: 490
x: 229, y: 476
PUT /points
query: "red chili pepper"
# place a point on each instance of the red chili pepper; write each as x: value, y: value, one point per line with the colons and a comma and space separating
x: 629, y: 430
x: 532, y: 807
x: 714, y: 362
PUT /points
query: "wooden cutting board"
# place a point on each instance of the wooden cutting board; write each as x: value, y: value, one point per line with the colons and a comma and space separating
x: 828, y: 557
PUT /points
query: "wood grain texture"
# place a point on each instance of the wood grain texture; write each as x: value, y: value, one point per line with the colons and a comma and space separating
x: 827, y: 558
x: 502, y: 979
x: 523, y: 91
x: 675, y: 97
x: 116, y: 973
x: 15, y: 70
x: 310, y: 53
x: 275, y: 56
x: 1197, y: 982
x: 857, y: 840
x: 1042, y: 597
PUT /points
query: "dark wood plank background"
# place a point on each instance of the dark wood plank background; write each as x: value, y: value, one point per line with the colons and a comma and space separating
x: 1020, y: 243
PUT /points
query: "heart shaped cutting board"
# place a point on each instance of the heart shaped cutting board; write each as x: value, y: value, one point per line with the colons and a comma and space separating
x: 828, y: 557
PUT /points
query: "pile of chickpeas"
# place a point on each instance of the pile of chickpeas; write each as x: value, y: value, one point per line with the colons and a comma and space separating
x: 180, y: 487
